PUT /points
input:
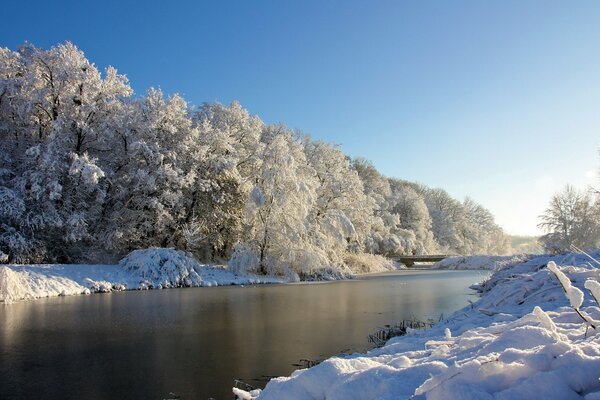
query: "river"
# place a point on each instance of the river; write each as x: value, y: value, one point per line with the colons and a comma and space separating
x: 195, y: 342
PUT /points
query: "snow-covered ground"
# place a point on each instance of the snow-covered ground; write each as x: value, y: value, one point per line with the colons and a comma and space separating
x: 523, y: 339
x: 141, y: 269
x: 481, y: 262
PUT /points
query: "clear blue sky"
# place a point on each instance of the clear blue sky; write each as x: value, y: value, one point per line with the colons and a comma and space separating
x: 499, y: 101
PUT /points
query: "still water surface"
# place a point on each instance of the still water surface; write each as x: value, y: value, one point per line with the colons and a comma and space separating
x: 195, y: 342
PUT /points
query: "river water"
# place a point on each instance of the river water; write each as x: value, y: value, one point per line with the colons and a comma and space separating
x: 195, y: 342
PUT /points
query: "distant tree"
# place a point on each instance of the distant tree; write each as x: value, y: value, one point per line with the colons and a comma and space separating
x: 480, y: 232
x: 572, y: 219
x: 385, y: 237
x: 446, y: 216
x: 413, y: 214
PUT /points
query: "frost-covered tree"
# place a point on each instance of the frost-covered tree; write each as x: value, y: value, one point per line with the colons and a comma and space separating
x: 55, y: 129
x: 146, y: 202
x: 235, y: 134
x: 385, y: 236
x: 480, y: 232
x: 446, y: 214
x: 89, y: 173
x: 374, y: 184
x: 276, y: 234
x: 571, y: 219
x: 228, y: 172
x: 343, y: 213
x: 463, y: 227
x: 413, y: 215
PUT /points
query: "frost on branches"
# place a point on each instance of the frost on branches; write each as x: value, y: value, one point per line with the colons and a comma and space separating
x: 89, y: 173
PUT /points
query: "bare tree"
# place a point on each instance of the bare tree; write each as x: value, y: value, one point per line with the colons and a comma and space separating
x: 572, y: 219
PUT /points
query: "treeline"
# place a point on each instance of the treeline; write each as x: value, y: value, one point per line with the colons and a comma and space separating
x: 89, y: 173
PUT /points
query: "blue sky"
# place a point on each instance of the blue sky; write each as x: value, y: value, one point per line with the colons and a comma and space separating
x: 499, y: 101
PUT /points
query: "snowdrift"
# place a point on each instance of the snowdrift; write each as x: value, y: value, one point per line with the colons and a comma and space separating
x: 523, y: 339
x: 155, y: 268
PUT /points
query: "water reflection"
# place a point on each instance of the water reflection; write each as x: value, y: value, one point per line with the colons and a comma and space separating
x: 194, y: 342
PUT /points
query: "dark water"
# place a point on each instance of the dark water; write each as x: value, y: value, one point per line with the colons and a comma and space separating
x: 195, y: 342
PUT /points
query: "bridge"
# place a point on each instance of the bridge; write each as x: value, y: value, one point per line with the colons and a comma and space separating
x: 409, y: 261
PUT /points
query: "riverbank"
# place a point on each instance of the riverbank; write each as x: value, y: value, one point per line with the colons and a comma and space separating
x: 140, y: 270
x: 155, y: 268
x: 479, y: 262
x: 521, y: 339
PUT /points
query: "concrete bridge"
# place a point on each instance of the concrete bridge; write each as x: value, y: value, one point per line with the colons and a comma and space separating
x: 409, y: 261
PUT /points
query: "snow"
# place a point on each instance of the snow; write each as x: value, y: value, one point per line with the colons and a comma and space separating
x: 480, y: 262
x: 594, y: 288
x: 154, y: 268
x: 522, y: 339
x: 574, y: 295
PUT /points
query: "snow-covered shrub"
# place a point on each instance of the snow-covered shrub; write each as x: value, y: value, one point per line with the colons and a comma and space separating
x: 160, y: 267
x: 244, y: 259
x: 326, y: 274
x: 574, y: 294
x: 295, y: 265
x: 594, y: 288
x: 363, y: 263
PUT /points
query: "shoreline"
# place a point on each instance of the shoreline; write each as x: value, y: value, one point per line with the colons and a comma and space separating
x: 36, y: 281
x: 521, y: 337
x: 25, y: 282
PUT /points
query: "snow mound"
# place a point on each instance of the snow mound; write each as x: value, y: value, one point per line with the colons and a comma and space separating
x: 28, y: 282
x: 523, y: 339
x: 15, y: 286
x: 162, y: 268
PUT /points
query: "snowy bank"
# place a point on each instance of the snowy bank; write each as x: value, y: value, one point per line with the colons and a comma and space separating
x: 492, y: 263
x: 142, y: 269
x: 525, y: 338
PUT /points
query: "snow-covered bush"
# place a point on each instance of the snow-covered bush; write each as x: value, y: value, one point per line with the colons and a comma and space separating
x: 159, y: 267
x: 363, y: 263
x: 244, y: 259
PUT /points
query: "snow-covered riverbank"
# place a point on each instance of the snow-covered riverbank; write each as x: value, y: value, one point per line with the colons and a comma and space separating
x: 141, y: 269
x: 521, y: 340
x: 481, y: 262
x: 156, y: 268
